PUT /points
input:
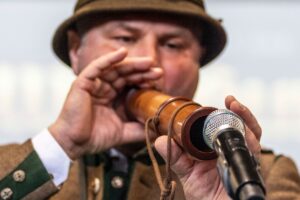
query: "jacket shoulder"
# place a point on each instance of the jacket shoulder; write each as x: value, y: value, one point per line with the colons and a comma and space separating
x: 280, y: 175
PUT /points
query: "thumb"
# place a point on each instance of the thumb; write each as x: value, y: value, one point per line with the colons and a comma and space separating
x: 180, y: 163
x: 133, y: 132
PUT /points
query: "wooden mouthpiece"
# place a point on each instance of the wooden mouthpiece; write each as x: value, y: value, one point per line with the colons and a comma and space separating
x: 188, y: 122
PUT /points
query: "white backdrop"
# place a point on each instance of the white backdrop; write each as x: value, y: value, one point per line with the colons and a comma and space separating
x: 260, y: 66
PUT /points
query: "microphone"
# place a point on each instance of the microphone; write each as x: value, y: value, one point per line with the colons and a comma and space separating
x: 224, y: 132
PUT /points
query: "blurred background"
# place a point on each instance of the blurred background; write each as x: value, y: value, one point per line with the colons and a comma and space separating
x: 260, y: 66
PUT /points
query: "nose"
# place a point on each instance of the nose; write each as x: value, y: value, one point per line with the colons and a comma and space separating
x: 148, y: 47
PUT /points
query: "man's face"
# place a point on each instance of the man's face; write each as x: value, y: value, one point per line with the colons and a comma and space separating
x: 172, y: 46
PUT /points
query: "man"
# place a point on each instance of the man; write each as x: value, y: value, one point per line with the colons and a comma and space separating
x: 112, y: 45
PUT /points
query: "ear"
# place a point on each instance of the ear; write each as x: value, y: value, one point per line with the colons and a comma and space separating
x: 74, y: 45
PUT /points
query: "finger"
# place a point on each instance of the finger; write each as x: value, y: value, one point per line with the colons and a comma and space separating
x: 126, y: 67
x: 241, y: 110
x: 148, y: 84
x: 228, y: 100
x: 96, y: 67
x: 110, y: 75
x: 152, y: 74
x: 143, y: 80
x: 180, y: 163
x: 104, y: 90
x: 134, y: 64
x: 252, y: 143
x: 119, y: 84
x: 133, y: 132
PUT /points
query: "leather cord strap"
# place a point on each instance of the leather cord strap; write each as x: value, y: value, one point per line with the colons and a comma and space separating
x: 167, y: 186
x: 82, y: 179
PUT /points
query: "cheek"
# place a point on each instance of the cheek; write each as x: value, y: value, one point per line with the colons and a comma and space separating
x: 181, y: 80
x: 91, y: 52
x: 93, y: 46
x: 85, y: 58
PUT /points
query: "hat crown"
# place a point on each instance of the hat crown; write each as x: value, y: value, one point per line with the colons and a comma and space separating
x: 81, y: 3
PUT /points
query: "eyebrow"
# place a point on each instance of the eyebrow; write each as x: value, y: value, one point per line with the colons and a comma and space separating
x: 174, y: 32
x: 126, y: 26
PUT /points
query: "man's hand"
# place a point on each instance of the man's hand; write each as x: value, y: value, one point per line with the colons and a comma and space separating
x: 88, y: 123
x: 200, y: 179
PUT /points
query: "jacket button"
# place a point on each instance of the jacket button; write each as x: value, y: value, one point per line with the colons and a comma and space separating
x: 96, y: 185
x: 117, y: 182
x: 19, y: 176
x: 6, y: 194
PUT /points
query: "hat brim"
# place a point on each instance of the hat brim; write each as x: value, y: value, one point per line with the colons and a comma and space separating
x: 213, y: 38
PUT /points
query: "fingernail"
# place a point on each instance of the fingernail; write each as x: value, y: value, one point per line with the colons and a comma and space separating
x: 157, y: 70
x: 242, y: 107
x: 122, y: 49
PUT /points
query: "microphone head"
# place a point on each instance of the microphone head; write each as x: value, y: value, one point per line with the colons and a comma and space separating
x: 218, y: 121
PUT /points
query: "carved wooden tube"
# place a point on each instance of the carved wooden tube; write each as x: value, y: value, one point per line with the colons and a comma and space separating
x: 188, y: 122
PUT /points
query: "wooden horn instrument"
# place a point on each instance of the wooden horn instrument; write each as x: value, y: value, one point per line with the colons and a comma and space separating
x: 188, y: 122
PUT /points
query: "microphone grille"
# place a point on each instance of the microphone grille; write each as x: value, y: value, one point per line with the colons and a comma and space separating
x: 219, y: 120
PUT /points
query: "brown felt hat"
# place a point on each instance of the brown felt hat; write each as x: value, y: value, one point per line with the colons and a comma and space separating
x: 213, y: 38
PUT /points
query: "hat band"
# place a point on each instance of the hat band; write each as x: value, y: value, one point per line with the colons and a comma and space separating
x: 198, y: 2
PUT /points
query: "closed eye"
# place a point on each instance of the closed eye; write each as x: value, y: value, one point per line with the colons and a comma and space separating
x: 125, y: 39
x: 174, y: 46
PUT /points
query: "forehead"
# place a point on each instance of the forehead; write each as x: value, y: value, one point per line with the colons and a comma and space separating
x: 85, y: 24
